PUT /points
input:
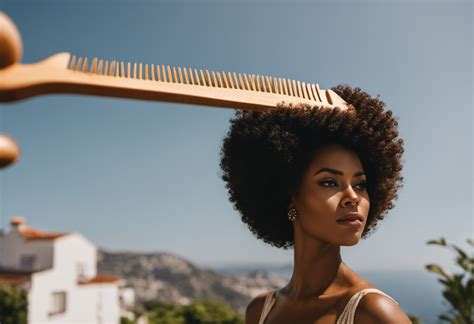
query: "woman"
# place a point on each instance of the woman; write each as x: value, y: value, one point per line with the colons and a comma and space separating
x: 316, y: 179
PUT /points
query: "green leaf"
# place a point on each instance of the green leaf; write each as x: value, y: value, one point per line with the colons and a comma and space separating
x: 438, y: 270
x: 470, y: 242
x: 441, y: 241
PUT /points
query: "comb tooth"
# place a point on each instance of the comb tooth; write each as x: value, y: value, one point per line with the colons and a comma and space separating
x: 128, y: 69
x: 191, y: 76
x: 328, y: 96
x: 269, y: 84
x: 313, y: 92
x: 175, y: 76
x: 225, y: 80
x: 295, y: 88
x: 214, y: 80
x: 198, y: 82
x: 303, y: 90
x: 166, y: 74
x: 258, y: 83
x: 169, y: 75
x: 122, y: 69
x: 112, y: 68
x: 186, y: 80
x: 275, y: 85
x: 308, y: 91
x: 318, y: 91
x: 300, y: 92
x: 99, y: 67
x: 79, y: 63
x: 208, y: 79
x: 146, y: 71
x: 117, y: 69
x: 180, y: 74
x: 94, y: 65
x: 247, y: 84
x: 280, y: 86
x: 109, y: 68
x: 264, y: 86
x: 230, y: 80
x: 241, y: 82
x: 134, y: 70
x: 72, y: 62
x: 203, y: 79
x: 290, y: 88
x: 158, y: 73
x: 152, y: 72
x: 252, y: 82
x: 220, y: 80
x: 85, y: 65
x: 140, y: 67
x: 285, y: 88
x: 106, y: 67
x: 236, y: 82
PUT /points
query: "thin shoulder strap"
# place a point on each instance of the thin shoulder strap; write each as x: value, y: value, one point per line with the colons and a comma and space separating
x: 348, y: 314
x: 267, y: 306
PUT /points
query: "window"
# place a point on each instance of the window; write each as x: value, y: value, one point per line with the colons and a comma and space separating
x: 81, y: 270
x: 28, y: 262
x: 58, y: 303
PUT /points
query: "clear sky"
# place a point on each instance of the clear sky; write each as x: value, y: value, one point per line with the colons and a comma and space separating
x: 144, y: 176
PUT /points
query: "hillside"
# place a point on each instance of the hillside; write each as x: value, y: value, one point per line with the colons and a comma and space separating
x: 172, y: 279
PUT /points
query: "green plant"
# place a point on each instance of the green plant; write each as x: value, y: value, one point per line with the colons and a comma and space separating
x: 458, y: 288
x: 13, y: 305
x: 125, y: 320
x: 414, y: 319
x: 201, y: 311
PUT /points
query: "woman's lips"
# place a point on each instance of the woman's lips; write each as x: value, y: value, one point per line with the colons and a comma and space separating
x: 355, y: 223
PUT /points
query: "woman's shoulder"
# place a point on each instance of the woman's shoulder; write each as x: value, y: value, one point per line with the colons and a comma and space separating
x: 372, y: 305
x: 255, y: 307
x: 379, y: 308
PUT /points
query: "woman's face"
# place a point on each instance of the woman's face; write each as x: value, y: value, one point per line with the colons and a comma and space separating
x: 332, y: 186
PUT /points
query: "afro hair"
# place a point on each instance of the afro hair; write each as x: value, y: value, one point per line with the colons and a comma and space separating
x: 265, y: 154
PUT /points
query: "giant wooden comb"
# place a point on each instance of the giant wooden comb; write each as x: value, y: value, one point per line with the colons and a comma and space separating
x: 66, y: 73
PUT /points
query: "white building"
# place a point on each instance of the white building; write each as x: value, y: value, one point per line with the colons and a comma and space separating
x: 59, y: 272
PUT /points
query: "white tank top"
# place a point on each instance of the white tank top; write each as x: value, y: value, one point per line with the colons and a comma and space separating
x: 347, y: 315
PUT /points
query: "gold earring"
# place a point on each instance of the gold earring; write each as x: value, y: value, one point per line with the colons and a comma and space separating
x: 292, y: 213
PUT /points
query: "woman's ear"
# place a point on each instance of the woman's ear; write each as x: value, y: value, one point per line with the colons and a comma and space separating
x: 292, y: 201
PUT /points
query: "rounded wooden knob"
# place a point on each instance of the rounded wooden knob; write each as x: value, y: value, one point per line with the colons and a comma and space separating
x: 9, y: 151
x: 11, y: 46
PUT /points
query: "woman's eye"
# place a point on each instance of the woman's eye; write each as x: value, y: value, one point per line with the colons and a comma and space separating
x: 363, y: 184
x: 326, y: 181
x: 323, y: 183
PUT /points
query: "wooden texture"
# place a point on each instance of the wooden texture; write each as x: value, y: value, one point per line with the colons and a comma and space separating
x: 62, y: 73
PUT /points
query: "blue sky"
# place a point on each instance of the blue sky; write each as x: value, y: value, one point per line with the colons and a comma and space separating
x: 144, y: 176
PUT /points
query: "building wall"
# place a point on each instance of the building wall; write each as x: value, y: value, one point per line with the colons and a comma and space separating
x: 94, y: 303
x: 13, y: 246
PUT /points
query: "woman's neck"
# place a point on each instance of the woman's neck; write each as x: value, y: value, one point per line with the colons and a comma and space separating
x: 318, y: 270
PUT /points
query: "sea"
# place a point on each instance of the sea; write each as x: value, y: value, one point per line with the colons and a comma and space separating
x: 418, y: 293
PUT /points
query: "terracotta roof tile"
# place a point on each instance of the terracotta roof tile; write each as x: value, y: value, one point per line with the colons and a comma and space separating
x: 34, y: 234
x: 101, y: 278
x: 13, y: 278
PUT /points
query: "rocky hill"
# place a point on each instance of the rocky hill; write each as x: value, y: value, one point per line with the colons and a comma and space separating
x: 172, y: 279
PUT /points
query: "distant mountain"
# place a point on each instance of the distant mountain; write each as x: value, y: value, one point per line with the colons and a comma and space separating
x: 172, y: 279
